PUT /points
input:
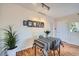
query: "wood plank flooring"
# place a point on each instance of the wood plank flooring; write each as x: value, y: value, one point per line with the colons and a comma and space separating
x: 67, y: 50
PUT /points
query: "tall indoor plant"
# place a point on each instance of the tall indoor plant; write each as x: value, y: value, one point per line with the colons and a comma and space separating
x: 10, y: 38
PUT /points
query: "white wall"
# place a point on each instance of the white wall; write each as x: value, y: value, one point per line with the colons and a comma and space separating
x: 52, y: 26
x: 63, y: 31
x: 13, y: 14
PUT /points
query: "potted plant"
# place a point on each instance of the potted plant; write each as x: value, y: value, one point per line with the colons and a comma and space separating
x: 10, y: 38
x: 47, y: 32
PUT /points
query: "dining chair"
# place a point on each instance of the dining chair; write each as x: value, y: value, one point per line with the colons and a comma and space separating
x: 56, y: 46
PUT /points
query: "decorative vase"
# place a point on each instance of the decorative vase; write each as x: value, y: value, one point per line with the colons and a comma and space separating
x: 47, y: 33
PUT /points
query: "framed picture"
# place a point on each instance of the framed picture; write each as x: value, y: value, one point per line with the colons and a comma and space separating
x: 24, y: 23
x: 42, y: 24
x: 34, y: 23
x: 31, y: 23
x: 37, y: 24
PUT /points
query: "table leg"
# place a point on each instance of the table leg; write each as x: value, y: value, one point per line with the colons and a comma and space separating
x: 35, y: 50
x: 45, y: 53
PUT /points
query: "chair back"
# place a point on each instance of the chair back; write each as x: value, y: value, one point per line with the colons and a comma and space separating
x: 56, y: 44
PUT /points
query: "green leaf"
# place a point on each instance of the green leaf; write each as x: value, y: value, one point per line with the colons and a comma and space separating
x: 10, y: 38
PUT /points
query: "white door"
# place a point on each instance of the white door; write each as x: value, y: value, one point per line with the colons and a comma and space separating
x: 61, y: 30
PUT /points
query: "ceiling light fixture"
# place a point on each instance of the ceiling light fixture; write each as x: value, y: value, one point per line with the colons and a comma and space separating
x: 45, y: 6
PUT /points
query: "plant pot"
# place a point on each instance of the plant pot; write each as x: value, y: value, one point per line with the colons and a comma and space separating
x: 12, y: 48
x: 12, y: 52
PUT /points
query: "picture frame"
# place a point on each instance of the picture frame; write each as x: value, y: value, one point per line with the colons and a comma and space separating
x: 34, y: 23
x: 31, y: 23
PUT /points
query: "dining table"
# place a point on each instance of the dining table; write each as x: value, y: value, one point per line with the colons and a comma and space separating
x: 46, y: 44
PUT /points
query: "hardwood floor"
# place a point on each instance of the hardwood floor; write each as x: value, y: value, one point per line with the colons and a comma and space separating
x: 67, y: 50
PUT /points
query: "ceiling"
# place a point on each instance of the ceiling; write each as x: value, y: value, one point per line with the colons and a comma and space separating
x: 56, y: 9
